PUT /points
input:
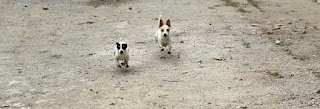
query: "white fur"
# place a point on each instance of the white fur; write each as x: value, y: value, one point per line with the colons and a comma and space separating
x: 161, y: 39
x: 124, y: 56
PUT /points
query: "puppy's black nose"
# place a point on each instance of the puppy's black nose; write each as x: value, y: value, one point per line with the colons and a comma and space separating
x: 121, y: 52
x: 165, y: 35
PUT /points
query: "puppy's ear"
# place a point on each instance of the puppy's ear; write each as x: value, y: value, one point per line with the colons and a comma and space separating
x: 117, y: 43
x: 168, y: 23
x: 161, y: 23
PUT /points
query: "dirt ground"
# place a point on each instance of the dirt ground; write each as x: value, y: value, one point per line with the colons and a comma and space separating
x: 59, y: 54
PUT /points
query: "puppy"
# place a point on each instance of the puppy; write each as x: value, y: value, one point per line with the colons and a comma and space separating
x: 162, y: 35
x: 122, y: 53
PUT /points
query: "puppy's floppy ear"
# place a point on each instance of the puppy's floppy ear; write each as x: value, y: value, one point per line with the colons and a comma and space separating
x: 168, y: 23
x: 161, y: 23
x: 117, y: 43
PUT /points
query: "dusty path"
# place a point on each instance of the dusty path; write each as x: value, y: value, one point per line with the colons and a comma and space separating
x: 63, y: 57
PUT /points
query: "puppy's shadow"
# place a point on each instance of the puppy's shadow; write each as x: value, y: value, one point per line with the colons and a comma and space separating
x: 125, y: 70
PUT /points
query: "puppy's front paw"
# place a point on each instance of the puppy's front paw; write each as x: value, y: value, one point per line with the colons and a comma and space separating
x: 127, y: 66
x: 162, y: 49
x: 119, y: 66
x: 169, y: 52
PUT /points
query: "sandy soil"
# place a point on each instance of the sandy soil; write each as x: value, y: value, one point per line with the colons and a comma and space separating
x: 59, y: 54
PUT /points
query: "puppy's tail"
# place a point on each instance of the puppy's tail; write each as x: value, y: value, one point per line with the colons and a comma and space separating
x: 159, y: 20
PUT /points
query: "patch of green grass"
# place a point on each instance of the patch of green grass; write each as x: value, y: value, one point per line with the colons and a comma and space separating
x: 56, y: 56
x: 242, y: 10
x: 246, y: 44
x: 302, y: 37
x: 289, y: 52
x: 275, y: 74
x: 230, y: 3
x: 211, y: 7
x: 254, y: 4
x: 317, y: 74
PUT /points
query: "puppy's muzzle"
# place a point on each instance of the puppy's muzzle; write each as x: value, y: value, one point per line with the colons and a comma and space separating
x: 165, y: 35
x: 121, y: 52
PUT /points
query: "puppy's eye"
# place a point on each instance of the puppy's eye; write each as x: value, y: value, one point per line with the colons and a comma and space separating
x: 167, y: 29
x: 161, y: 30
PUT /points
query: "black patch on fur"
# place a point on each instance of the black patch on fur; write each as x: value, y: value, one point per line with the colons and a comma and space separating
x: 118, y: 45
x: 124, y: 46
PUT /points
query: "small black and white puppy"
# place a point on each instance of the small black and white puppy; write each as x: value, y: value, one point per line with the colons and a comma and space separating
x: 122, y: 53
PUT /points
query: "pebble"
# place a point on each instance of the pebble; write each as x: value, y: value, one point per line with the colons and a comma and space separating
x: 241, y: 107
x: 45, y: 8
x: 278, y: 42
x: 199, y: 61
x: 130, y: 8
x: 182, y: 41
x: 255, y: 25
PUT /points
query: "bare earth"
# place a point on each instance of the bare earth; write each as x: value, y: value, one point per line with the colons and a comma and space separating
x: 59, y: 54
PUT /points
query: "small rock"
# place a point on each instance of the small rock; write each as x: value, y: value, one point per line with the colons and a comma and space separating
x: 91, y: 54
x: 278, y: 42
x: 255, y: 25
x: 201, y: 67
x: 91, y: 89
x: 182, y: 41
x: 112, y: 104
x: 25, y: 6
x: 224, y: 34
x: 279, y: 25
x: 45, y: 8
x: 241, y: 107
x: 95, y: 6
x: 277, y: 28
x: 199, y: 61
x: 4, y: 106
x: 290, y: 23
x: 318, y: 92
x: 130, y: 8
x: 304, y: 32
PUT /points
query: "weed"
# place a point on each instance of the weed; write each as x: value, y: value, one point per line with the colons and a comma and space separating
x: 56, y: 56
x: 231, y: 3
x: 246, y: 44
x: 211, y: 7
x: 317, y: 74
x: 254, y: 4
x: 289, y: 52
x: 242, y: 10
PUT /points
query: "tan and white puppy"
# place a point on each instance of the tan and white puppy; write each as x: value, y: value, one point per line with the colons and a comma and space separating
x: 121, y: 53
x: 162, y: 35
